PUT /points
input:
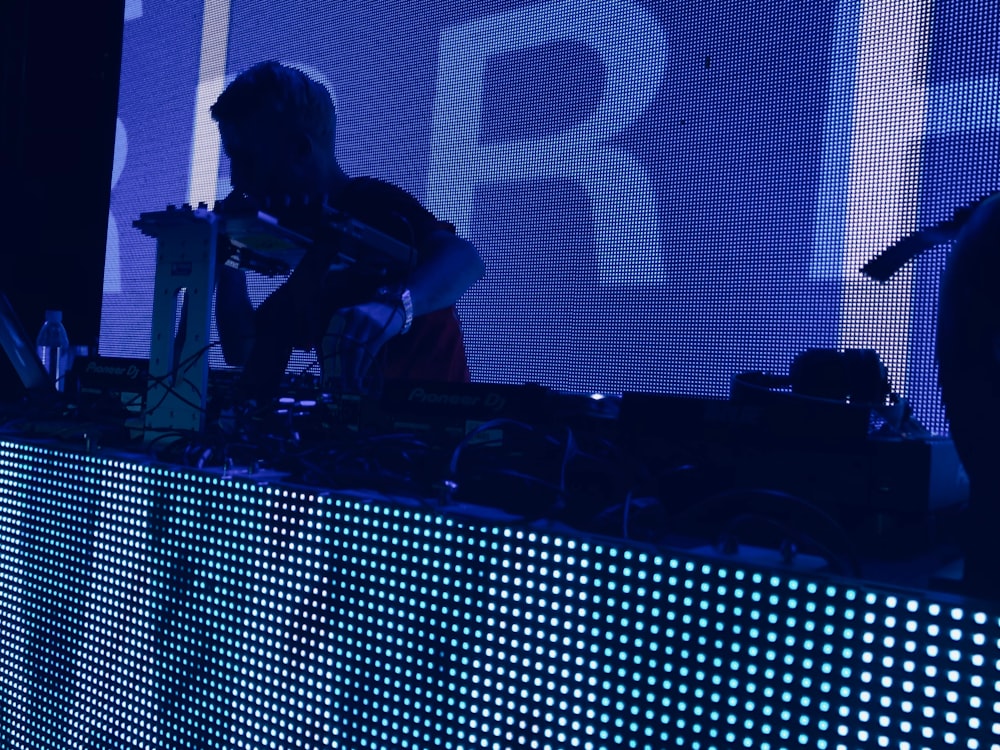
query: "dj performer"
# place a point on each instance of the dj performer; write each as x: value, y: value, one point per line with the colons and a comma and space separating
x: 278, y: 128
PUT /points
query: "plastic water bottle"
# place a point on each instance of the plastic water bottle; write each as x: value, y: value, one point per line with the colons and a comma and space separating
x: 53, y: 348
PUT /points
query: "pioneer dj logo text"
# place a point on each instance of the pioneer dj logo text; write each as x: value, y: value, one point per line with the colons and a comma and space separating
x: 492, y: 401
x: 118, y: 371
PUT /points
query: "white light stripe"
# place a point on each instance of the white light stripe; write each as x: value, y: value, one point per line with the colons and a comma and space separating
x: 888, y: 128
x: 205, y: 145
x: 828, y: 240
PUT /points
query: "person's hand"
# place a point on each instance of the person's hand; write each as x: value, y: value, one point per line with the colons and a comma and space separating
x: 353, y: 339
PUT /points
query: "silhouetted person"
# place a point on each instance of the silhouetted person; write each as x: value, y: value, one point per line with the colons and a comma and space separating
x: 278, y: 128
x: 968, y: 352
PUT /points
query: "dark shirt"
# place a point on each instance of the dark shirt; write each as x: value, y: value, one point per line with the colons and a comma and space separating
x: 968, y: 352
x: 299, y: 312
x: 968, y: 332
x: 433, y: 349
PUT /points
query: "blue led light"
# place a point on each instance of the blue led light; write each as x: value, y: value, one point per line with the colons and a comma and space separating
x: 285, y: 588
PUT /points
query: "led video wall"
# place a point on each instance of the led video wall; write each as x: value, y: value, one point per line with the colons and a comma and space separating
x: 146, y: 607
x: 665, y: 192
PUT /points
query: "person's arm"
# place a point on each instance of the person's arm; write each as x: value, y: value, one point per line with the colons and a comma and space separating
x: 449, y: 267
x: 452, y: 266
x: 234, y: 315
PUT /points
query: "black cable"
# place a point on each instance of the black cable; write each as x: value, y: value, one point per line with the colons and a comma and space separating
x: 748, y: 498
x: 848, y: 566
x: 744, y: 380
x: 490, y: 425
x: 179, y: 369
x: 885, y: 264
x: 337, y: 340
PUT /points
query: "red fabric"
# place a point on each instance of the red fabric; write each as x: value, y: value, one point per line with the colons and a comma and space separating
x: 432, y: 350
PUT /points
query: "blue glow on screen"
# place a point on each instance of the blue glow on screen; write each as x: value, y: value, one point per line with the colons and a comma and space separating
x: 665, y: 193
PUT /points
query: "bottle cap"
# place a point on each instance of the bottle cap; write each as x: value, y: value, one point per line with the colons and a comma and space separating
x: 53, y: 316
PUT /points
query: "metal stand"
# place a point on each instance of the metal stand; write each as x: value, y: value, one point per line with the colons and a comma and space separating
x: 182, y: 307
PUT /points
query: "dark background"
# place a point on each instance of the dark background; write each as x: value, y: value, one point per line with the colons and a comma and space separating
x: 60, y: 70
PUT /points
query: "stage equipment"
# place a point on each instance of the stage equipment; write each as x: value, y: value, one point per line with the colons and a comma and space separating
x: 278, y: 231
x: 186, y: 241
x: 885, y: 265
x: 241, y: 233
x: 829, y: 433
x: 833, y: 430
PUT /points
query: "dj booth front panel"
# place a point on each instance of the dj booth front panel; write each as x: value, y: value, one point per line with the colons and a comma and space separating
x: 153, y: 607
